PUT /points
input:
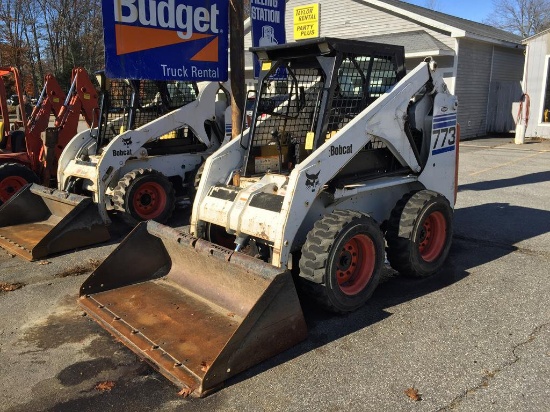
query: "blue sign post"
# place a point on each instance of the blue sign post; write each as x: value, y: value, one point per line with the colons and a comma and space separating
x: 166, y: 39
x: 268, y: 27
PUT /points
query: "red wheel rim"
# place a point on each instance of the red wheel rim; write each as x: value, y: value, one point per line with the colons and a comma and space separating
x: 149, y: 200
x: 433, y: 235
x: 355, y: 264
x: 10, y: 186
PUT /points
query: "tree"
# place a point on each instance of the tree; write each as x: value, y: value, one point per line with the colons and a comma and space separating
x: 50, y: 36
x: 53, y: 36
x: 523, y: 17
x: 12, y: 26
x: 432, y: 5
x: 73, y: 35
x: 15, y: 38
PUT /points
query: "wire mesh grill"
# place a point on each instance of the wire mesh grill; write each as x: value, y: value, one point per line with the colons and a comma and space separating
x: 130, y: 104
x: 158, y: 98
x: 116, y: 107
x: 149, y: 105
x: 361, y: 80
x: 289, y: 107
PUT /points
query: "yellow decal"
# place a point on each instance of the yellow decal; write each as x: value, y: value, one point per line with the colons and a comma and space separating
x: 266, y: 66
x: 310, y: 137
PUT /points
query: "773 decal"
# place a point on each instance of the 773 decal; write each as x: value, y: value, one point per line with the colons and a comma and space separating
x: 444, y: 134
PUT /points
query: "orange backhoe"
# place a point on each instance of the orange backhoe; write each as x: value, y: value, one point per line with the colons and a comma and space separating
x: 29, y: 149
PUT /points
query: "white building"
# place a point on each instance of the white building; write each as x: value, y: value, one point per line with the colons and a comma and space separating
x: 536, y: 84
x: 482, y: 65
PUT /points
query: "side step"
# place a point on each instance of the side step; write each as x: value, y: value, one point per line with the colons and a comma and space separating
x: 199, y: 313
x: 37, y: 222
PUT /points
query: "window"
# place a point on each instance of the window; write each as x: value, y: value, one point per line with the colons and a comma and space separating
x: 546, y: 101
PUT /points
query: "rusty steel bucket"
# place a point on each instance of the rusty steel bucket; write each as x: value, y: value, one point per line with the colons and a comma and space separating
x: 197, y: 312
x: 37, y: 222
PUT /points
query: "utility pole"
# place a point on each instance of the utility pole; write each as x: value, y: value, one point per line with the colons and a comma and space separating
x: 236, y: 64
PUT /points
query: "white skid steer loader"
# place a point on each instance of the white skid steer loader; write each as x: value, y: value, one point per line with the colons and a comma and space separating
x: 347, y: 156
x: 141, y: 171
x: 144, y: 157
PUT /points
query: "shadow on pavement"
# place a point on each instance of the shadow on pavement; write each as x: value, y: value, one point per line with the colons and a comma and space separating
x: 500, y: 224
x: 532, y: 178
x: 483, y: 234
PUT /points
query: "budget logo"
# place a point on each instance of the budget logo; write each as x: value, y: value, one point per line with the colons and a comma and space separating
x: 166, y: 39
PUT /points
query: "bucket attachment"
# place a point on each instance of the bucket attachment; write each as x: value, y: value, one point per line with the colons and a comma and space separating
x: 37, y: 222
x: 197, y: 312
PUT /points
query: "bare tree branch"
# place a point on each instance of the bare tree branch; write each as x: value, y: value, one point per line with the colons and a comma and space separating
x: 523, y: 17
x: 432, y: 4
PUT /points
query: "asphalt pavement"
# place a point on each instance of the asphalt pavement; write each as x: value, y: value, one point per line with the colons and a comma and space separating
x: 476, y: 337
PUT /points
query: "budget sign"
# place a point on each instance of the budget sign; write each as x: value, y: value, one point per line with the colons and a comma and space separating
x: 166, y: 39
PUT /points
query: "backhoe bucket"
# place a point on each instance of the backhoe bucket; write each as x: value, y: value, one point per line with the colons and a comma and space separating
x: 197, y: 312
x: 37, y: 222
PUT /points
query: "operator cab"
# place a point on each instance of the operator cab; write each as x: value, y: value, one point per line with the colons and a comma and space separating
x: 308, y: 92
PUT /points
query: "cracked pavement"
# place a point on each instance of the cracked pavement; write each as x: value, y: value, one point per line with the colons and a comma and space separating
x: 474, y: 338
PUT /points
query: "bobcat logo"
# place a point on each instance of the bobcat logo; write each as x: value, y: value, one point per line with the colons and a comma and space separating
x: 312, y: 180
x: 127, y: 142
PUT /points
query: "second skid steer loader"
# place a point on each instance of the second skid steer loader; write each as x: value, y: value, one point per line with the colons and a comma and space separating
x: 142, y: 172
x: 347, y: 156
x: 152, y: 139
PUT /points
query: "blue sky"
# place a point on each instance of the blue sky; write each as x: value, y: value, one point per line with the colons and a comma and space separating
x: 475, y: 10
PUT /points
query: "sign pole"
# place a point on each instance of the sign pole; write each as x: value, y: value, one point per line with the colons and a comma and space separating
x: 236, y: 64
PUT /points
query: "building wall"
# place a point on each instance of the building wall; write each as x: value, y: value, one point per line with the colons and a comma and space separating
x: 349, y: 19
x: 472, y: 86
x: 478, y: 64
x: 534, y: 82
x: 507, y: 64
x: 505, y: 88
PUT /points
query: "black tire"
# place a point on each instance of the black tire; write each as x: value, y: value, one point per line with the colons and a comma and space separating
x: 197, y: 176
x: 13, y: 176
x: 144, y: 194
x: 419, y: 233
x: 341, y: 260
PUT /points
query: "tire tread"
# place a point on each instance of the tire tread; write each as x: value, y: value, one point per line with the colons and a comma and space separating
x: 124, y: 186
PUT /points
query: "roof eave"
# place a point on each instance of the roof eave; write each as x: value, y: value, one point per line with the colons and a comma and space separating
x: 499, y: 42
x: 425, y: 20
x: 454, y: 31
x: 542, y: 33
x: 438, y: 52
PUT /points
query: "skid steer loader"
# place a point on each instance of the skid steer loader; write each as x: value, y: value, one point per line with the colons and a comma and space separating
x: 346, y: 156
x: 152, y: 139
x: 142, y: 172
